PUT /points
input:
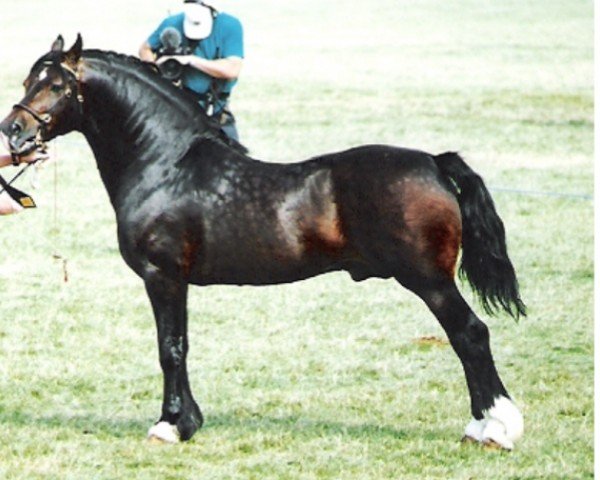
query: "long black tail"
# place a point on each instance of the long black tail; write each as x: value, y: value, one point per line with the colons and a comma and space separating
x: 485, y: 262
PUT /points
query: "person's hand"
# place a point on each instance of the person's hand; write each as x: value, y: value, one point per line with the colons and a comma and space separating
x: 35, y: 156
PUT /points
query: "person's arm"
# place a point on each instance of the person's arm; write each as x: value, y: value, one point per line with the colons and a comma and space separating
x: 34, y: 156
x: 152, y: 43
x: 222, y: 68
x: 5, y: 160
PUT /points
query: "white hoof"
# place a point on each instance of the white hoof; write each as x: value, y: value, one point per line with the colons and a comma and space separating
x: 494, y: 433
x: 501, y: 425
x: 163, y: 432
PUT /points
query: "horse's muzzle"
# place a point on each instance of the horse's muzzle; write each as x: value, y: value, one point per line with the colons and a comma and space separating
x: 17, y: 136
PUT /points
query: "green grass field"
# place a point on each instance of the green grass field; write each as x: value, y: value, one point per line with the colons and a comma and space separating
x: 325, y: 378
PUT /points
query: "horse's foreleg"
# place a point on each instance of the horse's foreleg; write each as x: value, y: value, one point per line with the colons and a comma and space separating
x: 181, y: 416
x: 496, y: 420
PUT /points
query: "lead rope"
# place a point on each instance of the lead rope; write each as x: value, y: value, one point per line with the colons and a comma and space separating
x: 4, y: 184
x: 55, y: 228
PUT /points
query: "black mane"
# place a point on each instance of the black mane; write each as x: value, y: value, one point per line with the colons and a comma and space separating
x: 208, y: 128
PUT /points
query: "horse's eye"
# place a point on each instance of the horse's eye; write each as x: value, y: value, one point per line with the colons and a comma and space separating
x: 55, y: 88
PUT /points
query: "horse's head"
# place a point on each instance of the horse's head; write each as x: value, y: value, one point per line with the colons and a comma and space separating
x: 52, y: 104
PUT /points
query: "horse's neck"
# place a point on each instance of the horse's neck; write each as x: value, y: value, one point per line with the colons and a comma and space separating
x: 130, y: 122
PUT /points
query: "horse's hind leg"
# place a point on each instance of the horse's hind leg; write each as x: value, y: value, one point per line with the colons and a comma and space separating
x: 417, y: 239
x: 495, y: 418
x: 181, y: 416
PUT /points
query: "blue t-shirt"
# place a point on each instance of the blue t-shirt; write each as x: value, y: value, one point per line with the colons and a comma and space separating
x: 225, y: 40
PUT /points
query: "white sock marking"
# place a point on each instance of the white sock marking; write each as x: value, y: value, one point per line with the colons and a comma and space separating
x: 164, y: 432
x: 502, y: 424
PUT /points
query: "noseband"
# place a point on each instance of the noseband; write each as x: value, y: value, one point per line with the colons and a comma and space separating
x: 42, y: 118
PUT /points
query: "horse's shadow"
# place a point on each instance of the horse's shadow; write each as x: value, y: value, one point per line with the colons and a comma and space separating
x: 295, y: 425
x: 301, y: 425
x: 81, y: 424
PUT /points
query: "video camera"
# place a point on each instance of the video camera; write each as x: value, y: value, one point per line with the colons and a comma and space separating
x: 171, y: 42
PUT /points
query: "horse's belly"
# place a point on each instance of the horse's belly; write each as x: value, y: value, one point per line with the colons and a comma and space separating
x: 260, y: 269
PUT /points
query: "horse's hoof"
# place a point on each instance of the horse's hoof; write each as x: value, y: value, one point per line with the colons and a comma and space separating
x: 501, y: 426
x: 163, y: 432
x: 487, y: 444
x: 492, y: 445
x: 506, y: 413
x: 469, y: 440
x: 494, y: 434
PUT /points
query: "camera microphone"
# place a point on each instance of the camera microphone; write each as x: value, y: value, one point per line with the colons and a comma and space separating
x: 172, y: 46
x: 170, y: 39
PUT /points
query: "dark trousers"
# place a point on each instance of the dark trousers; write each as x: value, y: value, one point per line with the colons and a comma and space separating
x: 227, y: 122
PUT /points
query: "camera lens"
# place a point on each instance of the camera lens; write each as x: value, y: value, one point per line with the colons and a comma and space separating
x: 171, y: 69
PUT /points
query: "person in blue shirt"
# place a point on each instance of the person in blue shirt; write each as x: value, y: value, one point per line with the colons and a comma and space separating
x: 211, y: 52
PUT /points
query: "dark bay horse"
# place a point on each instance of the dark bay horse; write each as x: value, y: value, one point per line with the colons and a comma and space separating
x: 193, y: 208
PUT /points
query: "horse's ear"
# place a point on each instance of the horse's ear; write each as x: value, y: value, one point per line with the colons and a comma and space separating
x: 58, y: 44
x: 74, y: 53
